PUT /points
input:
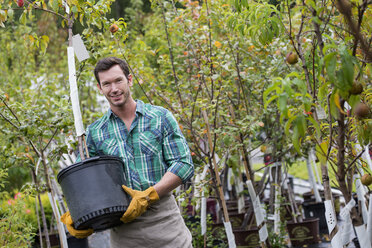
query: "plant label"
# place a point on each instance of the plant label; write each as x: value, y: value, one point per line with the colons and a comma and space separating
x: 79, y: 48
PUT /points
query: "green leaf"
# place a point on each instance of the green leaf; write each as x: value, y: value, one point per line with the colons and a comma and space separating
x: 10, y: 14
x: 282, y: 102
x: 22, y: 18
x: 74, y: 9
x: 274, y: 86
x: 334, y: 111
x: 54, y: 4
x: 296, y: 140
x: 316, y: 126
x: 244, y: 3
x: 347, y: 69
x: 270, y: 100
x: 353, y: 100
x: 307, y: 103
x: 330, y: 63
x: 301, y: 125
x: 288, y: 125
x: 323, y: 90
x: 321, y: 152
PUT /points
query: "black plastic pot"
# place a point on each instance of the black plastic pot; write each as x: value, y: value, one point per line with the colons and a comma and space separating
x: 93, y: 192
x: 77, y: 243
x: 316, y: 210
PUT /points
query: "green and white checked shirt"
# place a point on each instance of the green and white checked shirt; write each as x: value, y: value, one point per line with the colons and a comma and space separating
x: 153, y: 146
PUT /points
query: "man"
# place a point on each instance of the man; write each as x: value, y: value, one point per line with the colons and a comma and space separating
x: 156, y: 157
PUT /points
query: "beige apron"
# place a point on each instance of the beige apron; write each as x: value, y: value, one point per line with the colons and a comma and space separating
x: 161, y: 226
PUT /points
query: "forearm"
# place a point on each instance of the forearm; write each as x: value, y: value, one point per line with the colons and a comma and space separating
x: 167, y: 183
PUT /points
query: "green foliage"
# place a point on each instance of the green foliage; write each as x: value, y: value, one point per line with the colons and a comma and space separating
x: 259, y: 21
x: 225, y: 58
x: 16, y: 227
x: 215, y: 236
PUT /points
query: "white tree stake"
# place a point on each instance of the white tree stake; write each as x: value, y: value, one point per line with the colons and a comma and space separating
x: 312, y: 155
x: 239, y: 189
x: 203, y: 214
x: 229, y: 176
x: 258, y: 212
x: 197, y: 190
x: 363, y: 236
x: 79, y: 127
x: 229, y: 234
x: 312, y: 181
x: 203, y: 211
x: 276, y: 199
x: 367, y: 157
x: 345, y: 232
x: 360, y: 193
x: 369, y: 223
x: 277, y: 210
x: 60, y: 227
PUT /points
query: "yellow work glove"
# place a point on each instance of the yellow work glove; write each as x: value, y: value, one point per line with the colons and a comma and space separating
x: 80, y: 234
x: 140, y: 202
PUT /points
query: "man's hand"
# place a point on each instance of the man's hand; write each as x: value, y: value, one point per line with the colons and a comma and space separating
x: 80, y: 234
x: 140, y: 202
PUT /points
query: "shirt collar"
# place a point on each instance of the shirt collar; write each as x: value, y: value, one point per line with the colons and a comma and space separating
x: 139, y: 109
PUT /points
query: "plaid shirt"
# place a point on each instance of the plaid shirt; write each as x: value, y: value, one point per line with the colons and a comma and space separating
x: 153, y: 146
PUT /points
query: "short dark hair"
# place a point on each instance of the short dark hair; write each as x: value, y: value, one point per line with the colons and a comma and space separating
x: 106, y: 63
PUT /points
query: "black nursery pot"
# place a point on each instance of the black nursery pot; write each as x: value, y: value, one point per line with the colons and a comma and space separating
x: 93, y: 192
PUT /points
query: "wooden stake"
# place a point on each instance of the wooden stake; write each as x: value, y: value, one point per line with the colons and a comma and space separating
x: 266, y: 243
x: 219, y: 186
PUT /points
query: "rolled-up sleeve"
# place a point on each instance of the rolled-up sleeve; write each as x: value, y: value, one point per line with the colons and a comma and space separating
x: 176, y: 151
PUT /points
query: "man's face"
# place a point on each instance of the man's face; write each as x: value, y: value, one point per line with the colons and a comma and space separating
x: 115, y: 86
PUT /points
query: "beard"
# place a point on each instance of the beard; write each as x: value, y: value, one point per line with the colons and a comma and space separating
x: 125, y: 96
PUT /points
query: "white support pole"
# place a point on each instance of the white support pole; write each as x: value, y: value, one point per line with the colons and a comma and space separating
x: 345, y: 234
x: 197, y: 190
x: 312, y: 180
x: 229, y: 234
x: 258, y: 212
x: 363, y: 236
x: 239, y: 189
x: 74, y: 92
x: 229, y: 176
x: 277, y: 197
x: 313, y: 162
x: 277, y: 221
x: 361, y: 193
x: 203, y: 214
x: 203, y: 211
x: 60, y: 226
x: 367, y: 157
x: 369, y: 223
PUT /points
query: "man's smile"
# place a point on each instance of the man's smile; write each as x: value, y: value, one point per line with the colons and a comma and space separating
x: 116, y: 97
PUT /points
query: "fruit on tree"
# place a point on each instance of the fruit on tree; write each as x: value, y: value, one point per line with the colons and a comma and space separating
x: 291, y: 58
x: 263, y: 148
x: 20, y: 3
x: 361, y: 111
x: 114, y: 28
x: 356, y: 89
x: 366, y: 179
x: 267, y: 159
